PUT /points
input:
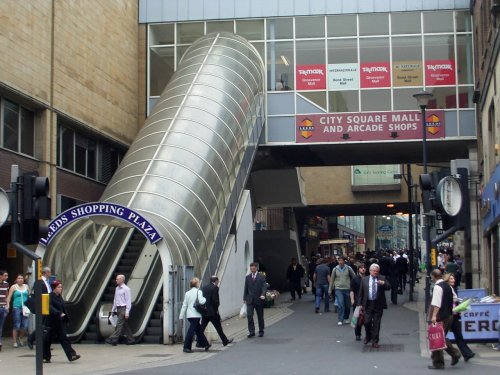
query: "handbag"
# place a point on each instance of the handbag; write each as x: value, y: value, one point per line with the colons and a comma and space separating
x: 201, y: 308
x: 435, y: 337
x: 361, y: 318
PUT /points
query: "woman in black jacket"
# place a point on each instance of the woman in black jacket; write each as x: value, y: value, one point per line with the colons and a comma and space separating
x: 56, y: 325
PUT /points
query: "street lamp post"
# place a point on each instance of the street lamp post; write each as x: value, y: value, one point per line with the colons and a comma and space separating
x: 423, y: 98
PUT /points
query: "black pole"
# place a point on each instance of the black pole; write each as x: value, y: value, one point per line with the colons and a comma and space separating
x: 427, y: 219
x: 38, y: 261
x: 409, y: 184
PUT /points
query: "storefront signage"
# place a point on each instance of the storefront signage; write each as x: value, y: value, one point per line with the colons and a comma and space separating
x: 375, y: 74
x: 480, y: 323
x: 385, y: 229
x: 311, y: 77
x: 343, y: 76
x: 101, y: 209
x: 407, y: 73
x: 368, y: 126
x: 490, y: 201
x: 363, y: 175
x: 439, y: 72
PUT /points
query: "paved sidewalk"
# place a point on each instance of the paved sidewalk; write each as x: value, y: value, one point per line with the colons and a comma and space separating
x: 106, y: 359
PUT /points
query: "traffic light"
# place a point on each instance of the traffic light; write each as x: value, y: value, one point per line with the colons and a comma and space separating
x: 35, y: 205
x: 428, y: 185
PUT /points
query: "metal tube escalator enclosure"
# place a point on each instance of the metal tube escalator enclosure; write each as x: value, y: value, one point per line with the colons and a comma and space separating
x: 184, y: 164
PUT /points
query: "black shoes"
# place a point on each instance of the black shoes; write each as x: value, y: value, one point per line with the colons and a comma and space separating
x: 207, y: 347
x: 261, y: 334
x: 29, y: 343
x: 430, y: 367
x: 110, y: 342
x: 466, y: 359
x: 366, y: 340
x: 187, y: 350
x: 358, y: 338
x: 251, y: 335
x: 454, y: 360
x: 131, y: 343
x: 46, y: 360
x: 228, y: 342
x: 316, y: 311
x: 74, y: 358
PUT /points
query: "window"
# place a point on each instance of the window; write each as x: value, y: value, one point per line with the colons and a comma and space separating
x: 17, y: 128
x: 309, y: 27
x: 405, y: 23
x: 344, y: 25
x: 279, y: 28
x: 280, y: 65
x: 88, y: 157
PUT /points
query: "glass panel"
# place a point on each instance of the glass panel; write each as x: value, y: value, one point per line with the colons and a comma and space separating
x: 343, y: 101
x: 280, y: 129
x: 309, y: 27
x: 280, y: 104
x: 316, y: 97
x: 342, y: 51
x: 374, y: 49
x: 439, y: 60
x: 467, y: 123
x: 10, y: 125
x: 406, y: 48
x: 67, y: 145
x: 27, y: 132
x: 189, y: 32
x: 219, y: 26
x: 376, y: 100
x: 405, y: 23
x: 261, y: 48
x: 407, y: 69
x: 250, y: 29
x: 280, y: 65
x: 180, y: 52
x: 161, y: 34
x: 80, y: 154
x: 310, y: 52
x: 342, y: 25
x: 439, y: 47
x: 444, y: 97
x: 161, y: 68
x: 464, y: 59
x: 279, y: 28
x: 438, y: 22
x: 373, y: 24
x: 463, y: 21
x: 404, y: 100
x: 308, y: 105
x: 465, y: 95
x: 91, y: 159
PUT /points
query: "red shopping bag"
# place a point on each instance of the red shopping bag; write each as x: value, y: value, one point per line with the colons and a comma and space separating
x: 435, y: 336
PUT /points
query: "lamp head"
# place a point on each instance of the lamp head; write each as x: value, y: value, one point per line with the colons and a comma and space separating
x: 423, y: 98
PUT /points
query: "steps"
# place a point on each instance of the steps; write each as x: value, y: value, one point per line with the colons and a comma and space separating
x: 153, y: 333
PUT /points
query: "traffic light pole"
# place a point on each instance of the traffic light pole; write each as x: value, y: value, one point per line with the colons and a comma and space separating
x: 38, y: 269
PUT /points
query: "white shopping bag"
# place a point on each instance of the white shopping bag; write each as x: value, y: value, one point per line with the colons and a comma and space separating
x: 243, y: 311
x: 113, y: 319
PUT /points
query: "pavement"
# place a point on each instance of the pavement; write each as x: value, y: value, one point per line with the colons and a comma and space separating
x: 106, y: 359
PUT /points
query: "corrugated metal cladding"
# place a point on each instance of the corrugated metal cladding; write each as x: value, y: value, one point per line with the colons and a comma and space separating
x: 183, y: 169
x: 189, y: 10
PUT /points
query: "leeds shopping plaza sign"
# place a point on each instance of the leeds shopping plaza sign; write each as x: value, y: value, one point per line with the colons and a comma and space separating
x: 368, y: 126
x: 125, y: 214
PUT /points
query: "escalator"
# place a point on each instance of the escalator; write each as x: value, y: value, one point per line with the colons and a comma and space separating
x: 185, y: 173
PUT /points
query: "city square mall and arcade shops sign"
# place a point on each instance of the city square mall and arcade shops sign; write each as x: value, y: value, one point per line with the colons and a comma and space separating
x: 368, y: 126
x: 101, y: 209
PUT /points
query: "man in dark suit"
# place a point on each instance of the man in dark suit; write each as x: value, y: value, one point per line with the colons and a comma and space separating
x: 294, y: 274
x: 372, y: 301
x: 254, y: 295
x: 211, y: 293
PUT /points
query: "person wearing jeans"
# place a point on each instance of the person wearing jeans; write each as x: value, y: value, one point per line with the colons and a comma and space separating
x: 321, y: 279
x: 4, y: 307
x: 340, y: 279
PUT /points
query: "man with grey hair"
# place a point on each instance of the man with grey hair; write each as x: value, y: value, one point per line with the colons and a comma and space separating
x: 122, y: 303
x: 41, y: 286
x: 211, y: 293
x: 372, y: 301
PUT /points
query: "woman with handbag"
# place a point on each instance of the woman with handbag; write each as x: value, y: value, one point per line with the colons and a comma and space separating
x: 193, y: 297
x: 18, y: 294
x: 456, y: 325
x: 56, y: 325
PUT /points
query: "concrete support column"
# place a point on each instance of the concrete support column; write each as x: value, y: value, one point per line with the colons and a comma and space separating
x: 370, y: 232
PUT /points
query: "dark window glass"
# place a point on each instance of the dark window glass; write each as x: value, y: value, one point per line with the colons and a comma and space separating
x: 219, y: 26
x: 67, y: 148
x: 404, y: 100
x: 343, y: 101
x: 309, y: 27
x: 27, y: 132
x: 10, y: 125
x: 439, y: 47
x: 405, y: 23
x: 465, y: 95
x: 463, y: 21
x: 345, y: 25
x: 464, y: 59
x: 109, y: 162
x: 279, y: 28
x: 280, y: 65
x: 161, y: 66
x: 342, y: 51
x: 81, y: 154
x: 162, y: 34
x: 310, y: 52
x: 374, y: 50
x: 375, y: 100
x: 374, y: 24
x: 444, y: 98
x: 438, y: 22
x: 189, y: 32
x: 91, y: 159
x: 250, y: 29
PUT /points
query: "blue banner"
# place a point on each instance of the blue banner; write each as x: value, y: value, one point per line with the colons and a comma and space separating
x: 480, y: 324
x: 471, y: 293
x: 101, y: 209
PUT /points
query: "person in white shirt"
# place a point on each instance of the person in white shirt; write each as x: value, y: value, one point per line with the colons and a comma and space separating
x: 193, y: 316
x: 122, y: 303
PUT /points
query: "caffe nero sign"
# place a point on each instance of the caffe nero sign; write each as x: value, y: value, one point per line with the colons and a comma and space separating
x: 101, y: 209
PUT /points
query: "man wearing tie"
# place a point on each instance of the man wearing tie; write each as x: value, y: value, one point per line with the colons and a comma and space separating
x: 372, y: 301
x: 44, y: 286
x: 254, y: 295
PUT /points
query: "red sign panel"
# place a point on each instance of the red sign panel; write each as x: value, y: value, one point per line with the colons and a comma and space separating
x: 368, y: 126
x: 439, y: 72
x: 311, y: 77
x: 375, y: 74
